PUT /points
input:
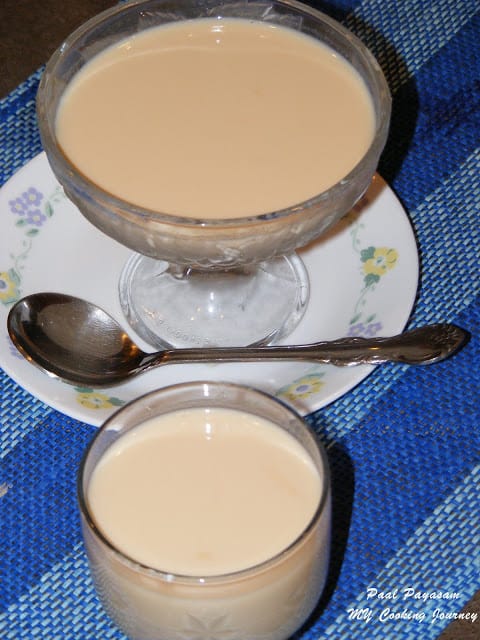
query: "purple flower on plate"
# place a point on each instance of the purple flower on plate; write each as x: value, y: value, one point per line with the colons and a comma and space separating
x: 356, y: 329
x: 18, y: 206
x: 365, y: 330
x: 27, y: 206
x: 32, y: 197
x: 372, y: 329
x: 35, y: 217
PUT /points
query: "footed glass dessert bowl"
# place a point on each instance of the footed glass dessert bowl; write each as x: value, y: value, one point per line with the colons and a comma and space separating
x: 235, y: 141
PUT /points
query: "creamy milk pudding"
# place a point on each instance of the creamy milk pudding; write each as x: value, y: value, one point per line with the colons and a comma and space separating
x: 216, y: 118
x: 205, y: 511
x: 204, y: 491
x: 213, y: 148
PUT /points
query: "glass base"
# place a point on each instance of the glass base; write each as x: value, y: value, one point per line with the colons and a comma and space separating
x: 169, y: 306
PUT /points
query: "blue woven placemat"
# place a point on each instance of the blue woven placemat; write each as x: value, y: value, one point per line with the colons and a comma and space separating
x: 403, y: 446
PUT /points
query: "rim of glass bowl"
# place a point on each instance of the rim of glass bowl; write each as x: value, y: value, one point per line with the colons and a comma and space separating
x: 208, y: 579
x: 131, y: 210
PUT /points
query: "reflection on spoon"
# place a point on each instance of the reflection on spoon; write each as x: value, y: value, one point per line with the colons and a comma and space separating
x: 78, y: 342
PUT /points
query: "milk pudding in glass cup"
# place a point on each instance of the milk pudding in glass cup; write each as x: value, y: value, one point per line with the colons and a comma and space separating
x: 206, y: 513
x: 213, y: 139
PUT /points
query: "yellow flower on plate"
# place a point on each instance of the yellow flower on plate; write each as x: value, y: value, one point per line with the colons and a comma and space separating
x: 376, y: 262
x: 91, y: 399
x: 9, y: 291
x: 303, y: 387
x: 379, y: 261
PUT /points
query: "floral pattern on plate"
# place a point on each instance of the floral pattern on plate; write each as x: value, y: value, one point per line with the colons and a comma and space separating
x: 374, y: 264
x: 31, y: 210
x: 369, y: 291
x: 93, y: 399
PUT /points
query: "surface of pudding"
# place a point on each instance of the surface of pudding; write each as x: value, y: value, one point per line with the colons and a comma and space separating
x: 204, y: 491
x: 216, y: 118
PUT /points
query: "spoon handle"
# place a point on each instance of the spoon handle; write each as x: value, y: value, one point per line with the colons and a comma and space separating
x: 425, y: 345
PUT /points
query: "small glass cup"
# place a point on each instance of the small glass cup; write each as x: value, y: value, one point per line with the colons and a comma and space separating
x: 269, y: 601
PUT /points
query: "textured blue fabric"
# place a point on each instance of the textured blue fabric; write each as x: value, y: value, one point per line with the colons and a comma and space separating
x: 403, y: 445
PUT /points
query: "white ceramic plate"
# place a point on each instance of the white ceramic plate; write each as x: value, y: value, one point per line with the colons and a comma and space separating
x: 363, y: 279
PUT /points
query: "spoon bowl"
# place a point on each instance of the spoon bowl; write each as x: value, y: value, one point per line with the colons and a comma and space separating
x: 78, y: 342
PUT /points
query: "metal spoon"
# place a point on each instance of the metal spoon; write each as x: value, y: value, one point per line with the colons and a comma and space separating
x: 76, y: 341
